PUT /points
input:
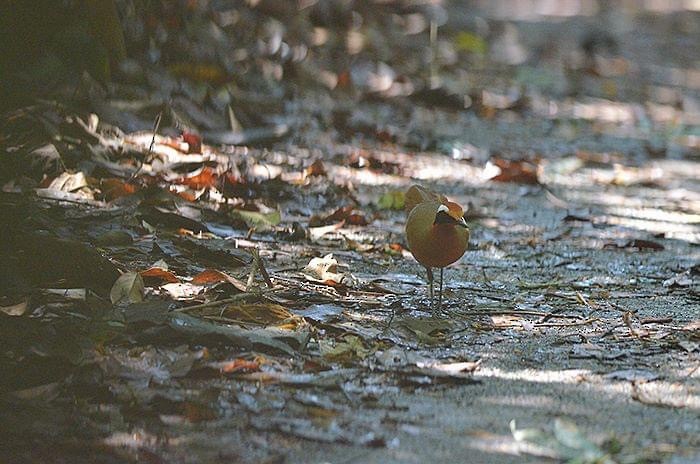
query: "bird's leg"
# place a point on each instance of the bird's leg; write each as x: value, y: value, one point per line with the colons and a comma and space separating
x: 430, y: 284
x: 442, y: 270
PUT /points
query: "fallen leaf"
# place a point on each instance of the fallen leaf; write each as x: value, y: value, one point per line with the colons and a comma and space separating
x: 260, y: 221
x: 202, y: 72
x: 267, y: 338
x: 395, y: 199
x: 114, y: 238
x: 113, y: 188
x: 210, y: 276
x: 363, y: 160
x: 346, y: 351
x: 265, y: 314
x: 346, y: 215
x: 16, y: 309
x: 236, y: 365
x: 468, y: 42
x: 202, y: 178
x: 665, y: 395
x: 316, y: 168
x: 317, y: 232
x: 677, y: 281
x: 69, y: 182
x: 566, y: 442
x: 632, y: 375
x: 129, y: 288
x: 193, y: 141
x: 75, y: 294
x: 520, y: 171
x: 320, y: 312
x: 325, y: 270
x: 638, y: 244
x: 157, y: 275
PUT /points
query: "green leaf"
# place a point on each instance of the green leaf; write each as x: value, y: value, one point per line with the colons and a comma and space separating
x: 468, y: 42
x: 395, y: 199
x: 259, y: 221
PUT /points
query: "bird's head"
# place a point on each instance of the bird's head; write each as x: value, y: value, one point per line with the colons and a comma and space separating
x: 450, y: 212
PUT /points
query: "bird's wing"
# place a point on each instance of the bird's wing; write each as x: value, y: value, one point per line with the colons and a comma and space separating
x: 417, y: 194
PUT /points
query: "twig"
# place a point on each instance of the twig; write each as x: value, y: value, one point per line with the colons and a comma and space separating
x: 658, y: 320
x: 251, y: 276
x: 226, y: 320
x: 627, y: 319
x: 156, y: 126
x: 692, y: 371
x: 569, y: 324
x: 537, y: 285
x: 550, y: 315
x: 487, y: 281
x: 261, y: 267
x: 232, y: 299
x: 522, y: 313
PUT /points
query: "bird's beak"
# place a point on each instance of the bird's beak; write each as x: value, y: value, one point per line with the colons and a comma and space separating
x: 462, y: 222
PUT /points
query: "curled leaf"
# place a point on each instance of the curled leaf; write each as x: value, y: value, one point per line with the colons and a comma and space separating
x: 324, y: 270
x: 129, y: 288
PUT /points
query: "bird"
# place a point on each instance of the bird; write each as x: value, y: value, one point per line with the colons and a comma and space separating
x: 436, y: 232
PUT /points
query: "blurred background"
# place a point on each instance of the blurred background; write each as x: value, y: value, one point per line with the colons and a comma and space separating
x: 630, y: 67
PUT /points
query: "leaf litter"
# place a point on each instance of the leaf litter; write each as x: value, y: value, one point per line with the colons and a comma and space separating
x: 202, y: 246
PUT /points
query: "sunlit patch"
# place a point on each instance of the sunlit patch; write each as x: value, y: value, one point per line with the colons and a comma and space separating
x: 534, y: 375
x: 522, y: 401
x: 133, y: 440
x: 487, y: 442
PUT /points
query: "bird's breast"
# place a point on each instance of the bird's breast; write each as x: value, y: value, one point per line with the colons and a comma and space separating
x: 439, y: 245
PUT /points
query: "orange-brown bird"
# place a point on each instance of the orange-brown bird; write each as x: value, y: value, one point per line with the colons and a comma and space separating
x: 436, y: 232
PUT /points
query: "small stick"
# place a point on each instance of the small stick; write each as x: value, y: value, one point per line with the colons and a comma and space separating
x: 251, y: 276
x: 261, y: 267
x: 567, y: 324
x: 523, y: 313
x: 434, y: 82
x: 658, y: 320
x: 156, y: 126
x: 233, y: 299
x: 550, y: 315
x: 487, y: 281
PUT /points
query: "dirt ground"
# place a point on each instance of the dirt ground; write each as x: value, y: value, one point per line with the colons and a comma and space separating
x: 570, y: 329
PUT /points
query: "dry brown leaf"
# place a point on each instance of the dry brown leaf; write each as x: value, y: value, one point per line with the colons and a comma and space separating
x: 520, y: 171
x: 316, y: 168
x: 158, y: 275
x: 113, y: 188
x: 202, y: 178
x: 212, y: 276
x: 266, y: 314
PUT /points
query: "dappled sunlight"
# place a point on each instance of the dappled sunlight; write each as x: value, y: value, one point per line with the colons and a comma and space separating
x: 220, y: 221
x: 604, y: 111
x: 652, y: 391
x: 492, y: 443
x: 571, y: 376
x: 539, y: 10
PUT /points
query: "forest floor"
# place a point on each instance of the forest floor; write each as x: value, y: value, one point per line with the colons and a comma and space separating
x: 166, y: 300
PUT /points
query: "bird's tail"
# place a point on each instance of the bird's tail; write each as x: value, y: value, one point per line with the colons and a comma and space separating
x: 417, y: 194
